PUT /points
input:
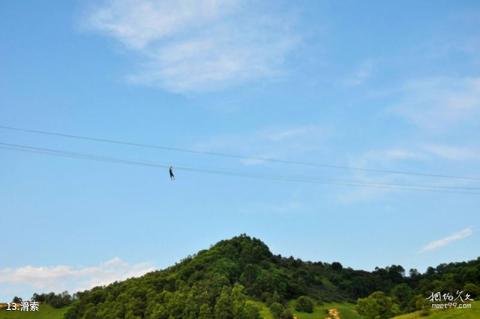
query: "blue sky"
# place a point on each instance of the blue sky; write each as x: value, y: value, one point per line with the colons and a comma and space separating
x: 392, y: 86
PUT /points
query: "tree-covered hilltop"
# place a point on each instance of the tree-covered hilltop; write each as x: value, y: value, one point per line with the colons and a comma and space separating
x: 224, y: 281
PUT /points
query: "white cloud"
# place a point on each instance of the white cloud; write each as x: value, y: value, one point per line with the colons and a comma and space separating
x: 440, y: 103
x: 455, y: 153
x: 138, y: 23
x: 419, y: 153
x: 29, y: 279
x: 291, y: 133
x: 434, y: 245
x: 197, y: 45
x: 397, y: 154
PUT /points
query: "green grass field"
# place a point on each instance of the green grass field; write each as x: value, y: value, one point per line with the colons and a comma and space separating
x: 473, y: 313
x: 346, y: 310
x: 46, y: 312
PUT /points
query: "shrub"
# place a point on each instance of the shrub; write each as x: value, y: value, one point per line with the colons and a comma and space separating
x: 377, y: 306
x: 304, y: 304
x: 472, y: 289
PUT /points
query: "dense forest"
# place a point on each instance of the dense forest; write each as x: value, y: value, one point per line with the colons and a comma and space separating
x: 227, y: 280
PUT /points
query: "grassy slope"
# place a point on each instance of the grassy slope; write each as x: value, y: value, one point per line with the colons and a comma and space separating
x: 46, y: 312
x: 346, y: 310
x: 473, y: 313
x: 264, y: 311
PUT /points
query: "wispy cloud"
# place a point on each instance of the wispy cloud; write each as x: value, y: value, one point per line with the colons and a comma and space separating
x: 440, y: 103
x: 408, y: 158
x: 291, y: 133
x: 29, y: 279
x: 270, y: 143
x: 433, y: 105
x: 387, y: 159
x: 455, y: 153
x: 197, y: 45
x: 437, y: 244
x: 360, y: 75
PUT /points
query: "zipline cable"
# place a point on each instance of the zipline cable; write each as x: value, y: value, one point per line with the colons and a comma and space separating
x: 295, y: 179
x: 237, y: 156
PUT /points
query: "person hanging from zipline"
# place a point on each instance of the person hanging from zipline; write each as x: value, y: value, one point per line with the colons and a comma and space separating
x: 170, y: 171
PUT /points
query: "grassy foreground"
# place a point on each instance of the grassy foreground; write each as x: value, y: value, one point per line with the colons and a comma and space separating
x: 472, y: 313
x: 345, y: 310
x: 45, y: 312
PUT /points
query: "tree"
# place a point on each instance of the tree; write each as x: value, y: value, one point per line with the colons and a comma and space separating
x: 377, y: 306
x: 277, y: 310
x: 403, y: 295
x: 287, y: 314
x: 251, y: 311
x: 223, y: 306
x: 207, y: 285
x: 90, y: 312
x: 280, y: 312
x: 337, y: 266
x: 422, y: 305
x: 413, y: 273
x: 238, y: 301
x: 472, y: 289
x: 396, y: 273
x: 205, y: 312
x: 304, y: 304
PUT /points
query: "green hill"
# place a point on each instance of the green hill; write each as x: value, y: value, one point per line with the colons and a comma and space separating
x: 45, y: 312
x: 241, y: 278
